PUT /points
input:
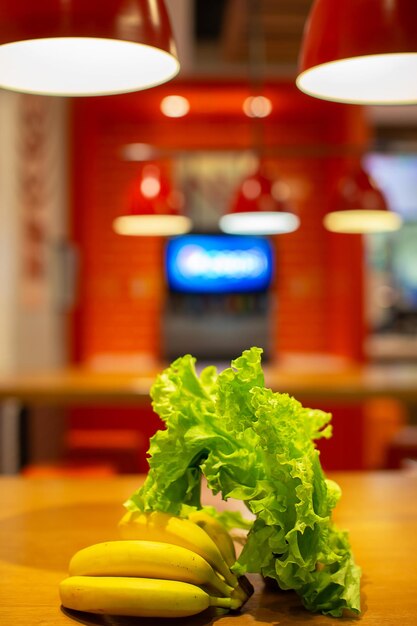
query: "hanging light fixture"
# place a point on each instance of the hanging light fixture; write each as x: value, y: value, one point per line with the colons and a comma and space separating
x: 359, y: 207
x: 154, y: 207
x: 260, y: 205
x: 259, y: 208
x: 360, y: 52
x: 85, y: 47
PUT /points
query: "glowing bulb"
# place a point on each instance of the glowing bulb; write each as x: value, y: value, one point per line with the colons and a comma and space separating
x: 175, y: 106
x: 280, y: 191
x: 257, y: 106
x: 138, y: 152
x: 251, y: 189
x: 150, y: 187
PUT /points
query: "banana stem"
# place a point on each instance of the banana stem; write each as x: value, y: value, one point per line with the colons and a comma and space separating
x: 226, y: 603
x: 246, y: 586
x: 241, y: 595
x: 229, y: 576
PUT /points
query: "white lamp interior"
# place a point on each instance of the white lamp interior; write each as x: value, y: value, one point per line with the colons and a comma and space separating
x: 259, y: 223
x: 71, y: 66
x: 373, y: 79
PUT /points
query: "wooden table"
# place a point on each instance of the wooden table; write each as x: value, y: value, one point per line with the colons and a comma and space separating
x: 322, y: 380
x: 43, y: 522
x: 317, y: 381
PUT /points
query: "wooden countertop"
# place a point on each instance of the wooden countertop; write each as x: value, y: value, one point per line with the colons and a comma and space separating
x: 345, y: 384
x: 43, y: 522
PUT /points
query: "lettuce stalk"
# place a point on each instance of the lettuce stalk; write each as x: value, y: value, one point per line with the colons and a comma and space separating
x: 257, y: 446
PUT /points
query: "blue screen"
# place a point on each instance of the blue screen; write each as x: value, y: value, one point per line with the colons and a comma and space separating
x: 218, y: 264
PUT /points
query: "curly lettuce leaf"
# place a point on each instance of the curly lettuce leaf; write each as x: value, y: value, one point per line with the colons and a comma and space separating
x: 257, y: 446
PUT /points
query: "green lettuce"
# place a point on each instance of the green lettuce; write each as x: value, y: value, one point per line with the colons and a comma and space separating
x: 257, y: 446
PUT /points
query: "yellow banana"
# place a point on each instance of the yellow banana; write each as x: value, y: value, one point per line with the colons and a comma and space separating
x: 224, y: 541
x: 147, y: 559
x: 140, y: 597
x: 158, y: 526
x: 217, y: 532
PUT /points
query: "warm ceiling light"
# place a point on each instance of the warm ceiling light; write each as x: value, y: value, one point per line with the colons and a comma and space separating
x: 139, y: 152
x: 154, y: 207
x: 151, y: 225
x: 256, y: 211
x: 360, y: 54
x: 257, y: 106
x: 362, y: 221
x: 85, y: 47
x: 150, y: 183
x: 175, y: 106
x: 359, y: 207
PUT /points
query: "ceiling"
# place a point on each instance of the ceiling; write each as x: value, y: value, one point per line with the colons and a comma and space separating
x: 242, y: 33
x: 262, y: 39
x: 275, y: 27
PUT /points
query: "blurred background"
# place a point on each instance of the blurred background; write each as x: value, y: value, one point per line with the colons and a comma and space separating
x: 88, y: 316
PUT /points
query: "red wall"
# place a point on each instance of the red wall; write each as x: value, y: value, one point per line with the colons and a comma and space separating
x: 306, y: 141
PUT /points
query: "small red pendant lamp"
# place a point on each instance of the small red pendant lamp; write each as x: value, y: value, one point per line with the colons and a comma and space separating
x: 154, y: 208
x: 258, y: 209
x: 360, y: 52
x: 359, y: 207
x: 85, y: 47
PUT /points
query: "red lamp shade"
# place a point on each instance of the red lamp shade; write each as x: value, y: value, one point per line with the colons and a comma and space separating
x: 359, y: 207
x: 154, y: 207
x: 360, y: 52
x: 259, y: 209
x: 85, y: 47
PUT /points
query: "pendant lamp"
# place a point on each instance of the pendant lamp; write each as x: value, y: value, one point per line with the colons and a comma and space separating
x: 154, y: 207
x: 359, y: 207
x: 258, y: 209
x: 360, y: 52
x: 85, y: 47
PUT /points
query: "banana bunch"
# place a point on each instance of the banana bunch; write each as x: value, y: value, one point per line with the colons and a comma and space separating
x: 218, y: 534
x: 164, y: 566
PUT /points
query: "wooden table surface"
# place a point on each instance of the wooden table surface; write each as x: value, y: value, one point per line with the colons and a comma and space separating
x: 321, y: 381
x: 43, y: 522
